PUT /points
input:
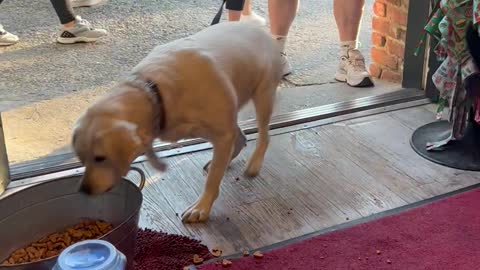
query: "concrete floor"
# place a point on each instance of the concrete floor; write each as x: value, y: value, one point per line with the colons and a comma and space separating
x: 44, y: 86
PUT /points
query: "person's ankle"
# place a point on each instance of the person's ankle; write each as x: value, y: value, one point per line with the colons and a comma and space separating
x: 234, y: 15
x: 2, y: 30
x: 69, y: 25
x: 281, y: 41
x: 246, y: 12
x: 346, y: 46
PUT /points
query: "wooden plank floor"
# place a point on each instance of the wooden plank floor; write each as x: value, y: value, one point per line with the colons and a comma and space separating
x: 312, y: 179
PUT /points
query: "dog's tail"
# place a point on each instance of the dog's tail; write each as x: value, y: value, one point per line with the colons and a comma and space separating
x: 154, y: 160
x: 473, y: 43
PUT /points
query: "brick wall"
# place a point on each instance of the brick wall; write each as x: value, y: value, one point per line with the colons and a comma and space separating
x: 389, y: 25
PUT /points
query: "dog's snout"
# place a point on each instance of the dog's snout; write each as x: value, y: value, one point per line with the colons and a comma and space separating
x: 94, y: 190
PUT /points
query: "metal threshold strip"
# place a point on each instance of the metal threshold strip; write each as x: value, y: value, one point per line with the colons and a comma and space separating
x: 317, y: 113
x: 22, y: 183
x: 68, y: 161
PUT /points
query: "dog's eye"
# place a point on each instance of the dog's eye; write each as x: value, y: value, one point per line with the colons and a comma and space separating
x: 99, y: 159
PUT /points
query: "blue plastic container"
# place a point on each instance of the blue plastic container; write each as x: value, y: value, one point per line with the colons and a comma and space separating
x: 91, y: 255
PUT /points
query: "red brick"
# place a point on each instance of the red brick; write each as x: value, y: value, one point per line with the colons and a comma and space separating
x: 379, y: 9
x: 378, y: 39
x: 381, y: 57
x: 381, y: 25
x: 404, y: 4
x: 398, y: 32
x: 395, y: 48
x: 401, y: 34
x: 397, y: 15
x: 375, y: 70
x: 391, y: 76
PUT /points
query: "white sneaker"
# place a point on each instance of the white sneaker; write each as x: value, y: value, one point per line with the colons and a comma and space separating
x: 81, y: 32
x: 253, y: 18
x: 85, y: 3
x: 6, y: 38
x: 286, y: 68
x: 352, y: 70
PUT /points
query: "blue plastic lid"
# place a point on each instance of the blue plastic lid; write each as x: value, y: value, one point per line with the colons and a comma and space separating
x: 90, y: 254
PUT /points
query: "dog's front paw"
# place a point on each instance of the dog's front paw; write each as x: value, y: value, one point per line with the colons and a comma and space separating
x: 197, y: 212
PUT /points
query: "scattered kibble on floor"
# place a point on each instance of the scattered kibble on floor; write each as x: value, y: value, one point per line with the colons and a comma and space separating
x: 226, y: 263
x: 258, y: 255
x: 197, y: 259
x: 216, y: 252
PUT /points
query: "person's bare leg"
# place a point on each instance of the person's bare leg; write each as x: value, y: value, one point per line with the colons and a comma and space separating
x: 282, y: 13
x: 234, y: 15
x: 348, y: 16
x: 247, y: 8
x: 234, y: 8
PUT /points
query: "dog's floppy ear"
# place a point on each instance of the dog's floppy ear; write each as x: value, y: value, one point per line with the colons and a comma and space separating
x: 121, y: 128
x: 129, y: 128
x: 121, y: 141
x: 142, y: 142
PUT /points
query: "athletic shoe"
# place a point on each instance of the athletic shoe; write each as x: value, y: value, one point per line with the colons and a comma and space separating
x: 81, y: 32
x: 6, y: 38
x: 352, y: 70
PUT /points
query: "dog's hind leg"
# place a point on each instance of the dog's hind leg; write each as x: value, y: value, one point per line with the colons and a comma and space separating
x: 263, y: 100
x: 240, y: 143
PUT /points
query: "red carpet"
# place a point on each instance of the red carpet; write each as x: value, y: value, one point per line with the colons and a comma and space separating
x: 161, y: 251
x: 441, y: 235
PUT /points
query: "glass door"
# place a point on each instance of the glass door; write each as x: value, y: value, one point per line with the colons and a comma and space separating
x: 46, y: 86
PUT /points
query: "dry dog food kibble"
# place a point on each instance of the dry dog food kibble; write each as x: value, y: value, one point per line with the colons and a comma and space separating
x: 53, y: 244
x: 258, y: 255
x: 216, y: 252
x: 226, y: 263
x: 197, y: 259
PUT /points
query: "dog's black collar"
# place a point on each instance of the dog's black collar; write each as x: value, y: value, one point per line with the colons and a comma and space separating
x: 150, y: 87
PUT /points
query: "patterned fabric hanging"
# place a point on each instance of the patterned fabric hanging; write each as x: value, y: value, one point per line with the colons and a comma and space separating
x: 447, y: 24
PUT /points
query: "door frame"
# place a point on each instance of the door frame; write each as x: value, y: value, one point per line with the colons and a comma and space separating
x: 415, y: 86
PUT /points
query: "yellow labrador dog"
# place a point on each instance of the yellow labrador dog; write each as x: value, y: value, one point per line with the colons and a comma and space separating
x: 189, y: 88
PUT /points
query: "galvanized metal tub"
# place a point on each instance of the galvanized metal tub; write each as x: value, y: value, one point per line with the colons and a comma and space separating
x: 45, y: 208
